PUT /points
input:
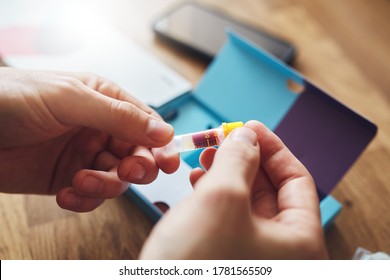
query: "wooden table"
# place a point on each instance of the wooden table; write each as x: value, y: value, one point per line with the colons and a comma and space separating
x: 343, y: 46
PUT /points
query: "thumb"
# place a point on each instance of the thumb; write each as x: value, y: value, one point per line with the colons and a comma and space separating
x: 121, y: 119
x: 235, y: 164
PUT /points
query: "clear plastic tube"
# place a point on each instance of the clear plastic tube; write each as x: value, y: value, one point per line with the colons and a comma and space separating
x: 201, y: 139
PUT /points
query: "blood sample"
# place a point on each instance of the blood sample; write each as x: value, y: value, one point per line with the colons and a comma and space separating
x: 202, y: 139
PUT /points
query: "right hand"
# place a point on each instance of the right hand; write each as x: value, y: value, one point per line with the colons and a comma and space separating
x: 256, y: 200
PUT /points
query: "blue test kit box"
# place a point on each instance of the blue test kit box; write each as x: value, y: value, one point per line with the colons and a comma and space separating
x: 243, y: 83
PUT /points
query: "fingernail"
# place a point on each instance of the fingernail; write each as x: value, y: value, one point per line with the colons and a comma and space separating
x: 137, y: 173
x: 91, y: 185
x: 244, y: 135
x: 159, y: 130
x: 72, y: 200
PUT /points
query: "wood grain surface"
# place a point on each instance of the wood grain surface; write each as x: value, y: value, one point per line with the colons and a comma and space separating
x: 343, y: 46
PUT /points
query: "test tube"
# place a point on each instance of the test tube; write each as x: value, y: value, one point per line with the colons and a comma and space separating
x: 201, y: 139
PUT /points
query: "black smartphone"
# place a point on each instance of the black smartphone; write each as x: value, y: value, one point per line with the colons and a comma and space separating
x: 201, y: 31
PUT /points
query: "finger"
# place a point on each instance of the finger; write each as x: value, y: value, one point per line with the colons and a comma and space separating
x: 105, y: 161
x: 279, y: 163
x: 121, y: 119
x: 195, y: 175
x: 108, y: 88
x: 69, y: 200
x: 98, y: 184
x: 207, y: 157
x: 139, y: 168
x: 168, y: 163
x: 119, y: 148
x: 264, y: 196
x: 287, y: 173
x: 236, y: 162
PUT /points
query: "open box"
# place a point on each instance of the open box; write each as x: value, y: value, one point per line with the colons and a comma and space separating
x: 245, y: 83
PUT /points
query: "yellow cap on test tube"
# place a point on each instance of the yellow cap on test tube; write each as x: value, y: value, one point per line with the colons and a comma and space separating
x: 228, y: 127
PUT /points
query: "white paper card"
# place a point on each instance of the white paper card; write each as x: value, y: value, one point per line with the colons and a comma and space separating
x: 170, y: 189
x: 58, y: 40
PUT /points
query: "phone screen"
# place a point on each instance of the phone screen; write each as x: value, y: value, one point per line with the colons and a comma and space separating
x: 204, y: 31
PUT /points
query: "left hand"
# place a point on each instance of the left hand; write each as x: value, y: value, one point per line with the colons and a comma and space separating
x: 78, y: 136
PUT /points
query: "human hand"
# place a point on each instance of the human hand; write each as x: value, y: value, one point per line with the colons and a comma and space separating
x: 256, y: 201
x: 73, y: 134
